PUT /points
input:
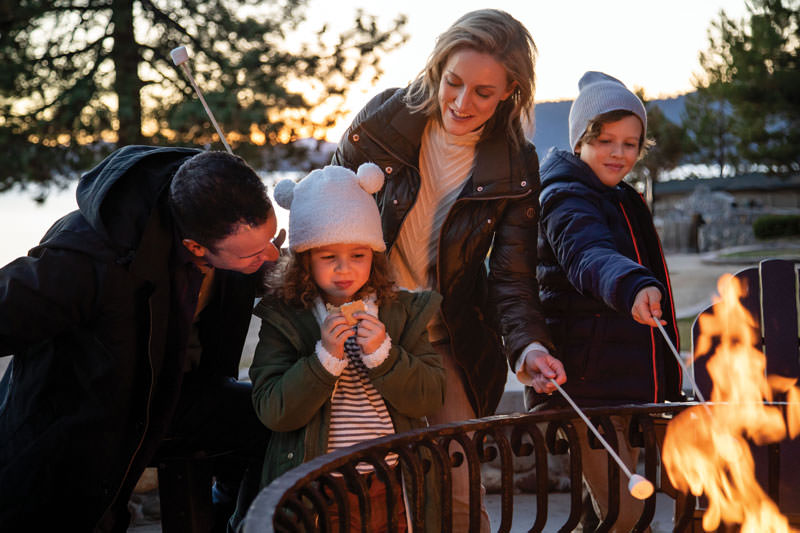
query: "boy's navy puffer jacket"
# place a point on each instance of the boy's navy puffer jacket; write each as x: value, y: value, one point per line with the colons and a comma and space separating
x: 598, y: 248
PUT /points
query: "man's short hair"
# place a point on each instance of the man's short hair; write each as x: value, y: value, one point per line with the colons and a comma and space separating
x: 214, y: 192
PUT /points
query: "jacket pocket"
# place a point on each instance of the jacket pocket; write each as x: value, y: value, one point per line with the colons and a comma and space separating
x: 595, y: 366
x: 284, y: 452
x: 577, y: 342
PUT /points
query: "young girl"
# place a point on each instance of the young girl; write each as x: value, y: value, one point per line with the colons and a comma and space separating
x: 320, y: 382
x: 602, y: 276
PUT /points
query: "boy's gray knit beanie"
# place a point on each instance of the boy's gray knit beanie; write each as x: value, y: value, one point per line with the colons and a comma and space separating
x: 601, y: 93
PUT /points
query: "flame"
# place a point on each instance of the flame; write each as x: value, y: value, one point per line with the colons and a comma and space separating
x: 706, y: 450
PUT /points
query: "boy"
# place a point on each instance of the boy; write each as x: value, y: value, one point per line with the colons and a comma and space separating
x: 602, y: 276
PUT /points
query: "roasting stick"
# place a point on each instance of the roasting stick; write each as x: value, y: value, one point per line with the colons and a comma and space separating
x: 639, y: 486
x: 695, y: 389
x: 180, y: 56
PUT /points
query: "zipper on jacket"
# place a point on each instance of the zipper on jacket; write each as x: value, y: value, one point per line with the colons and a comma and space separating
x: 672, y: 300
x: 669, y: 286
x: 439, y: 253
x: 147, y: 412
x: 652, y: 334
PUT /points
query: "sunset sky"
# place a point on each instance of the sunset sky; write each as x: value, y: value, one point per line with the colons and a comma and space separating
x: 644, y: 43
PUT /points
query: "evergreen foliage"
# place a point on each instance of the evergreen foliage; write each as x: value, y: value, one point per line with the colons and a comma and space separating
x: 708, y: 123
x: 76, y: 74
x: 754, y: 66
x: 666, y: 150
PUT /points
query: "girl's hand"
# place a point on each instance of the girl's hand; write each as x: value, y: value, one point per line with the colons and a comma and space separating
x: 370, y: 333
x: 334, y: 332
x: 647, y: 307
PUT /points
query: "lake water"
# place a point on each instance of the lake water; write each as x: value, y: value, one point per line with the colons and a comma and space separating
x: 23, y: 221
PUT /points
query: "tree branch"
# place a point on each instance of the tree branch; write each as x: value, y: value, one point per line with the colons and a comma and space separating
x: 65, y: 92
x: 88, y: 47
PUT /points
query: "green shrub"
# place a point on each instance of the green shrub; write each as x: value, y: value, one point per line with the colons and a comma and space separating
x: 769, y: 226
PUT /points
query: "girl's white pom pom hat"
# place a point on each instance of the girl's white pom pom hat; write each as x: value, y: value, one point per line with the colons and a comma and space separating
x: 333, y: 205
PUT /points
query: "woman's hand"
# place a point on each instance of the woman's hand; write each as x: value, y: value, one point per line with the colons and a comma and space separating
x: 370, y: 333
x: 647, y: 307
x: 335, y: 331
x: 542, y: 367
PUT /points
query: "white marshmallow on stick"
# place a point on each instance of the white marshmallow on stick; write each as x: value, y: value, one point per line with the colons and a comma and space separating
x: 638, y: 486
x: 180, y: 57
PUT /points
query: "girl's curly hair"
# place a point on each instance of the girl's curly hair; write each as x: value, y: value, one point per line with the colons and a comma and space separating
x: 291, y: 280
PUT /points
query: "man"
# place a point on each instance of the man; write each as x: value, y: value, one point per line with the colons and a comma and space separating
x: 127, y: 324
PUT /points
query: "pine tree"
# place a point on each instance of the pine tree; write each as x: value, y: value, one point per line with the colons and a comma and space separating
x: 708, y: 122
x: 77, y: 73
x: 754, y: 65
x: 665, y: 153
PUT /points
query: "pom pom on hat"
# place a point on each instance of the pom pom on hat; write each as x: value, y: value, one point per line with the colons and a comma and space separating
x: 370, y: 176
x: 601, y: 93
x: 333, y: 205
x: 284, y: 193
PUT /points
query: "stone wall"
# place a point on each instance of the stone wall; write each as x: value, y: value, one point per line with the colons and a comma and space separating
x: 706, y: 221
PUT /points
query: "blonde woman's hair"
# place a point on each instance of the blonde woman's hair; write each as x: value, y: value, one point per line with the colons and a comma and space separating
x: 493, y: 32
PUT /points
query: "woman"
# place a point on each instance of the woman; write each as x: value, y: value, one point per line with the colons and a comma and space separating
x: 462, y: 182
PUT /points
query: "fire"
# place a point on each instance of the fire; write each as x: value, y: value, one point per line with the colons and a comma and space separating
x: 706, y: 447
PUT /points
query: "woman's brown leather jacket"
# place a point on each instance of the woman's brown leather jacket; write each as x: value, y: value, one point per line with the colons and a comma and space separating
x: 495, y: 218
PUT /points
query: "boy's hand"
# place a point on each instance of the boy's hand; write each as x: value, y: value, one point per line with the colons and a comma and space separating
x: 541, y: 367
x: 370, y: 333
x: 647, y: 307
x: 334, y: 332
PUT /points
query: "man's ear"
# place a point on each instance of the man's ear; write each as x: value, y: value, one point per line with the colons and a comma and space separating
x: 195, y: 247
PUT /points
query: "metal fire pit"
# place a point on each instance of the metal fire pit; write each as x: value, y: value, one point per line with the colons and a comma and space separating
x: 299, y: 499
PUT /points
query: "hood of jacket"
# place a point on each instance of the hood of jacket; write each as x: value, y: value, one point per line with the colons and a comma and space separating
x: 115, y: 202
x: 562, y: 166
x: 117, y: 196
